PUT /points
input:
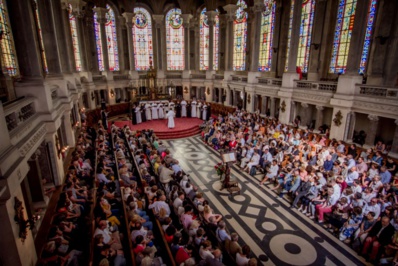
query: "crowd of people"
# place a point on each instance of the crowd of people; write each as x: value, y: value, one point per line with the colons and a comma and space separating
x: 350, y: 191
x: 153, y: 110
x: 155, y: 183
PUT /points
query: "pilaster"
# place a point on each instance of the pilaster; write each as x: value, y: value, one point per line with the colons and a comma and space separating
x: 257, y: 10
x: 319, y: 116
x: 372, y: 130
x: 229, y: 38
x: 185, y: 22
x: 101, y: 19
x: 394, y: 147
x: 129, y: 25
x: 160, y: 38
x: 294, y: 38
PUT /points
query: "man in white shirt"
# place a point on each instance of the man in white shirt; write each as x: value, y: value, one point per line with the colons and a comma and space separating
x: 178, y: 201
x: 111, y: 239
x: 351, y: 176
x: 157, y: 205
x: 372, y: 206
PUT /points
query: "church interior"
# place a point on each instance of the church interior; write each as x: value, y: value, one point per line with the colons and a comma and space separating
x: 70, y: 67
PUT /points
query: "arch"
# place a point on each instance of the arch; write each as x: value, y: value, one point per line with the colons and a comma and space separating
x: 175, y: 40
x: 204, y: 41
x: 240, y: 37
x: 142, y: 39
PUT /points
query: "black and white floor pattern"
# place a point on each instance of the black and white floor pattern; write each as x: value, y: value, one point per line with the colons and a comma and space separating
x: 264, y: 222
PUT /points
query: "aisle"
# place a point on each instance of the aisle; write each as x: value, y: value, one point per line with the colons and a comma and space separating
x: 264, y: 222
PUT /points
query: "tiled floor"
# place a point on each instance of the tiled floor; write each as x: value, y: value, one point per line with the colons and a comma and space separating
x: 264, y: 222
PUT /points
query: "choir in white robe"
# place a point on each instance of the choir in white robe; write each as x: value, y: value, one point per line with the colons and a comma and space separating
x: 184, y: 108
x: 170, y: 116
x: 138, y: 115
x: 204, y: 113
x: 193, y: 110
x: 172, y: 106
x: 161, y: 113
x: 148, y: 111
x: 198, y: 110
x: 155, y: 111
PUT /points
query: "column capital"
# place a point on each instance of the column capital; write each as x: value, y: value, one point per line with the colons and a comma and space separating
x: 186, y: 18
x: 319, y: 107
x: 101, y: 14
x: 373, y: 118
x: 159, y: 20
x: 258, y: 6
x: 231, y: 11
x: 128, y: 16
x: 77, y: 6
x: 211, y: 17
x: 304, y: 105
x: 122, y: 21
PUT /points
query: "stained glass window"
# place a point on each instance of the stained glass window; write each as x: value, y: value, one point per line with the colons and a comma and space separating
x: 307, y: 19
x: 142, y: 39
x: 240, y: 36
x: 289, y: 34
x: 175, y: 40
x: 111, y: 39
x: 7, y: 43
x: 266, y: 34
x: 40, y: 36
x: 368, y: 35
x: 342, y: 35
x: 75, y: 39
x: 98, y: 42
x: 204, y: 41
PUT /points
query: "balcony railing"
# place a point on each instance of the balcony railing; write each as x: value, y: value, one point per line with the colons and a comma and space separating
x: 316, y: 85
x: 218, y: 77
x: 121, y: 77
x: 18, y: 112
x: 376, y: 91
x: 270, y: 81
x: 239, y: 78
x: 198, y: 76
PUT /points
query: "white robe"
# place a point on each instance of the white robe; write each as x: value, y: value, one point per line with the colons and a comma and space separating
x: 204, y: 114
x: 138, y: 115
x: 170, y: 117
x: 161, y: 113
x: 172, y: 106
x: 183, y: 108
x: 198, y: 109
x: 155, y: 111
x: 148, y: 111
x: 193, y: 110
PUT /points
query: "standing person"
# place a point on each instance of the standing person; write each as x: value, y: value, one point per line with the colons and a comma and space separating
x: 143, y: 114
x: 178, y: 109
x: 161, y: 112
x: 104, y: 118
x: 133, y: 115
x: 193, y: 109
x: 170, y: 117
x: 189, y: 109
x: 172, y: 106
x: 155, y: 111
x: 138, y: 114
x: 204, y: 113
x: 183, y: 108
x: 148, y: 111
x: 208, y: 112
x: 198, y: 110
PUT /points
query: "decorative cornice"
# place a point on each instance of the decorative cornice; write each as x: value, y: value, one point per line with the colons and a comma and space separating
x: 32, y: 140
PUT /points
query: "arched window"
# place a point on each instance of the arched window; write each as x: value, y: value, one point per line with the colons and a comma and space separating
x: 175, y: 40
x: 240, y: 36
x: 111, y: 40
x: 368, y: 35
x: 266, y: 31
x: 40, y: 36
x: 7, y: 43
x: 75, y: 39
x: 289, y: 34
x: 342, y: 35
x: 142, y: 39
x: 204, y: 41
x: 307, y: 19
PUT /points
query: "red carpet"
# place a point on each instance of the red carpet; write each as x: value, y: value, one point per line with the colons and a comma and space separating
x: 184, y: 127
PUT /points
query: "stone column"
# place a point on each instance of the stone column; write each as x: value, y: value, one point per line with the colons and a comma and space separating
x: 129, y: 25
x: 372, y: 130
x: 160, y: 42
x: 211, y: 17
x: 272, y: 108
x: 70, y: 135
x: 292, y: 111
x: 305, y: 119
x: 319, y: 116
x: 394, y: 147
x: 275, y: 38
x: 121, y: 26
x: 294, y: 39
x: 229, y: 38
x: 185, y: 22
x: 101, y: 19
x: 318, y: 28
x: 357, y: 37
x: 264, y: 100
x: 257, y: 9
x: 70, y: 63
x: 351, y: 122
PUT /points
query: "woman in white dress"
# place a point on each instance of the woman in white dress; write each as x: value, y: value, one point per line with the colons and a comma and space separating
x: 198, y: 110
x: 183, y: 108
x: 148, y: 111
x: 204, y: 113
x: 170, y: 117
x: 193, y: 110
x: 155, y: 111
x: 160, y: 108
